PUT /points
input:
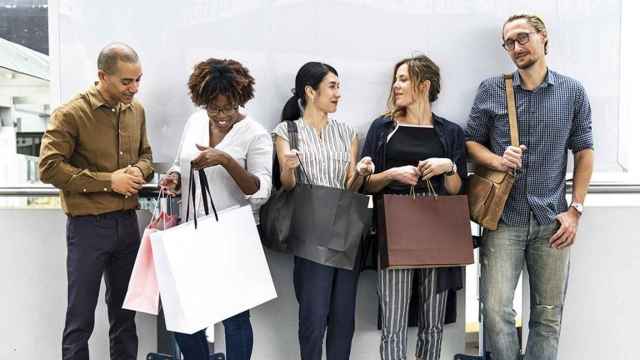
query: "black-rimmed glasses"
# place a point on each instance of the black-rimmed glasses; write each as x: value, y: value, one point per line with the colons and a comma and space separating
x: 521, y: 38
x: 225, y: 110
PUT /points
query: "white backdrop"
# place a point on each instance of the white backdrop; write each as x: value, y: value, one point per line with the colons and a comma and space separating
x: 363, y: 39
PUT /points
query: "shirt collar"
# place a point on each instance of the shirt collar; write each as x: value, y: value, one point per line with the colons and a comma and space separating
x: 549, y: 79
x: 96, y: 99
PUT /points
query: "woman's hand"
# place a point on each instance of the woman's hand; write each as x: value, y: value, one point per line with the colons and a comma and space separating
x: 434, y: 167
x: 291, y: 160
x: 169, y: 183
x: 208, y: 157
x: 405, y: 174
x: 365, y: 166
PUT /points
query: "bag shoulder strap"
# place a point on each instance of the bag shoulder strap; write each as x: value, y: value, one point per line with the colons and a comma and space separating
x: 511, y: 109
x: 292, y: 130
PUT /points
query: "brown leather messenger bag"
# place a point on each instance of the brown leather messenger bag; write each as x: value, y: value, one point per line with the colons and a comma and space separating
x: 488, y: 188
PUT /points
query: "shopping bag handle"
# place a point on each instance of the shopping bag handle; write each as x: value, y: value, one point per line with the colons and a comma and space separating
x: 205, y: 192
x: 157, y: 208
x: 430, y: 188
x: 204, y: 189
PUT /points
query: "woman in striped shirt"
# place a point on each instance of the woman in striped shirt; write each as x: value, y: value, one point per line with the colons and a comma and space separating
x: 328, y: 150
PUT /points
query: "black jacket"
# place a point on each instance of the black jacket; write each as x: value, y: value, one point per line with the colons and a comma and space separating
x: 452, y: 138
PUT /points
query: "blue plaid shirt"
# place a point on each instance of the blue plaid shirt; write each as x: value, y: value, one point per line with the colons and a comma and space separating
x: 553, y: 118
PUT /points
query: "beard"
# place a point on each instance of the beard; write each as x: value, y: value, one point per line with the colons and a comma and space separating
x: 526, y: 64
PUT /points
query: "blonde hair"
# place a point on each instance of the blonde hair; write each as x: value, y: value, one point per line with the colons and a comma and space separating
x: 536, y: 23
x: 420, y: 69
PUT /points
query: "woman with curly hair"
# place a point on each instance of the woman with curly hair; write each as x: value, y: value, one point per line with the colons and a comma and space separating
x: 236, y: 153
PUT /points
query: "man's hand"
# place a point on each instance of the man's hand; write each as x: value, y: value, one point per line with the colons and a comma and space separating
x: 134, y: 171
x: 512, y: 158
x: 208, y: 157
x: 433, y: 167
x: 566, y: 234
x: 125, y: 184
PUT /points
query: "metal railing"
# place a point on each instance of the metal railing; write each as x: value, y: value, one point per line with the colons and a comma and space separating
x: 147, y: 190
x: 152, y: 189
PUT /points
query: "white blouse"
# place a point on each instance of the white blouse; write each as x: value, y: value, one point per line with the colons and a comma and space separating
x: 247, y: 142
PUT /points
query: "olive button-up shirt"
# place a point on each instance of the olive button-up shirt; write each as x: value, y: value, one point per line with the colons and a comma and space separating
x: 85, y: 142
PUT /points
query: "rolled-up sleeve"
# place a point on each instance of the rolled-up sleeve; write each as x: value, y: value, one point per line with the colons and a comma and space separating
x: 259, y: 163
x: 581, y: 136
x: 479, y: 124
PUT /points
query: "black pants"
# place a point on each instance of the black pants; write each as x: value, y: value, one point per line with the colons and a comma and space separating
x: 327, y: 298
x: 100, y: 245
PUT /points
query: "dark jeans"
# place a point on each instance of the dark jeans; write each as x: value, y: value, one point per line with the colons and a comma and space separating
x: 327, y: 298
x: 102, y: 245
x: 238, y: 336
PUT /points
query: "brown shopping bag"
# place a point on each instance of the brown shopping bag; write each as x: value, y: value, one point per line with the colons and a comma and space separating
x: 424, y: 231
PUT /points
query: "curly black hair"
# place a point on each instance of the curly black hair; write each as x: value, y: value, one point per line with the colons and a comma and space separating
x: 214, y: 77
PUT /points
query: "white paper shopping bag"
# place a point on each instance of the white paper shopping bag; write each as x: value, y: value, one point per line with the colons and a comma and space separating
x: 213, y: 272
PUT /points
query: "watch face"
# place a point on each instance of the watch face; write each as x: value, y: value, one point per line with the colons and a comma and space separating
x: 578, y: 207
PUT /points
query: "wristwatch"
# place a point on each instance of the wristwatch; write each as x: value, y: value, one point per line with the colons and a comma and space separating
x: 453, y: 171
x: 578, y: 206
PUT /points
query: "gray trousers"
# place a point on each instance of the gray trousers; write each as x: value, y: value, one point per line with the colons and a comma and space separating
x: 394, y: 290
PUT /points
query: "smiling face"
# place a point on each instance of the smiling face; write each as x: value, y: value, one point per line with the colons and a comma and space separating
x: 532, y: 51
x: 123, y: 84
x: 327, y: 96
x: 223, y: 113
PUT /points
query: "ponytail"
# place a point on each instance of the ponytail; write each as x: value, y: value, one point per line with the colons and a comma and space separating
x: 292, y: 109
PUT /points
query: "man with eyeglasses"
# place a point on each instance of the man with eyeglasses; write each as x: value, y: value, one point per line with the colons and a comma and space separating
x: 96, y: 151
x: 537, y: 226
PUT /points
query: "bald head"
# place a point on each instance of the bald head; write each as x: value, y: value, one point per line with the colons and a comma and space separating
x: 114, y: 52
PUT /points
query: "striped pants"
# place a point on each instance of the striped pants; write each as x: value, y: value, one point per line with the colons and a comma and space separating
x: 394, y: 289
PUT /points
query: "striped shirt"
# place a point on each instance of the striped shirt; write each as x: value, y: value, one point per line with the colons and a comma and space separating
x: 325, y: 156
x: 553, y: 118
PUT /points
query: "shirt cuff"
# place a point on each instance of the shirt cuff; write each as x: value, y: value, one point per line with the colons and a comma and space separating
x: 100, y: 182
x: 262, y: 195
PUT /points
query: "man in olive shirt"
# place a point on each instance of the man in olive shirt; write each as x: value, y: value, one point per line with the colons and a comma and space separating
x: 95, y: 150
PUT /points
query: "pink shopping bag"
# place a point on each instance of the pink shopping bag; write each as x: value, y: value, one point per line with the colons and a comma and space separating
x: 143, y: 293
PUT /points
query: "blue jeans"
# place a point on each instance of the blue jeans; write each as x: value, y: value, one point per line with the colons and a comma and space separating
x: 238, y: 336
x: 503, y: 253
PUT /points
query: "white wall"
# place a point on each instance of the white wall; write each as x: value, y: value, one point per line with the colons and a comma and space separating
x: 362, y: 38
x: 601, y: 313
x: 34, y: 300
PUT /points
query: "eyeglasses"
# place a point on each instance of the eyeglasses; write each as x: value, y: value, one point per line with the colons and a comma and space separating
x: 226, y: 110
x: 521, y: 38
